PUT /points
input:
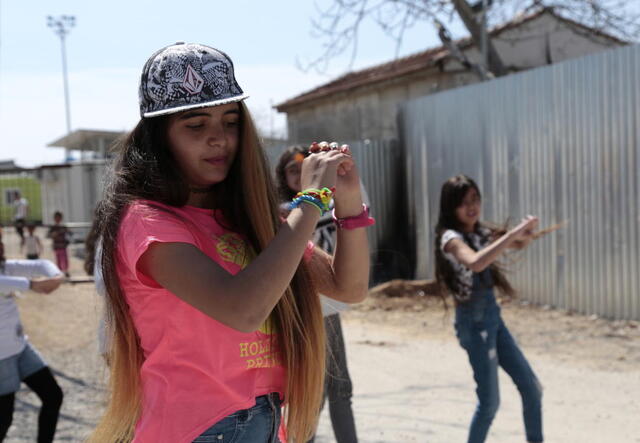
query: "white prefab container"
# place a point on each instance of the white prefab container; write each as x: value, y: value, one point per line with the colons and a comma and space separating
x: 73, y: 189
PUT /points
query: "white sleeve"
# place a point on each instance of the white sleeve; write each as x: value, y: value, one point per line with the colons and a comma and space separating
x: 101, y: 288
x: 31, y: 268
x: 10, y: 284
x: 448, y: 235
x: 365, y: 196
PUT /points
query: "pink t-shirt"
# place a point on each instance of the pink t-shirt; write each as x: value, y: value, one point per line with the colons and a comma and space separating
x: 196, y: 370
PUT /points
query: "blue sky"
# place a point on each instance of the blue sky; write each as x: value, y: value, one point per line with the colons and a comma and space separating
x: 112, y: 40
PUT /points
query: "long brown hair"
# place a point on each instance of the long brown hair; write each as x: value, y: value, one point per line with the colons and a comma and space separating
x: 144, y: 168
x: 451, y: 196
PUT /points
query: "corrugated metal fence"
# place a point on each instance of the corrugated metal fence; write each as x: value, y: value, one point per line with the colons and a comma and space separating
x: 381, y: 166
x: 561, y: 142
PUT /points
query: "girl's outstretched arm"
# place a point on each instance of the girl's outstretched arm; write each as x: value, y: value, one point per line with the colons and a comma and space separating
x: 42, y: 286
x: 20, y: 275
x: 331, y: 282
x: 478, y: 261
x: 245, y: 300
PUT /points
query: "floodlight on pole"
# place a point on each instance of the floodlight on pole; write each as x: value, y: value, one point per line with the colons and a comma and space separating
x: 61, y: 27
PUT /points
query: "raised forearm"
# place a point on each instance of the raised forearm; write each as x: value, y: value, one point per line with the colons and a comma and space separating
x: 484, y: 257
x: 351, y: 257
x: 351, y: 265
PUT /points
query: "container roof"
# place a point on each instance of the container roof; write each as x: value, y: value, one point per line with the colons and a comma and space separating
x: 87, y: 140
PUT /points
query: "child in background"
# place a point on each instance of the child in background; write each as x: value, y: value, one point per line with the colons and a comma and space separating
x: 466, y: 252
x: 60, y: 234
x: 21, y: 207
x: 338, y: 388
x: 212, y: 306
x: 19, y: 360
x: 31, y: 244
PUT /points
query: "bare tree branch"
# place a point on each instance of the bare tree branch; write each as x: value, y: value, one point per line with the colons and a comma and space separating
x: 495, y: 64
x: 447, y: 41
x: 338, y: 25
x: 339, y: 21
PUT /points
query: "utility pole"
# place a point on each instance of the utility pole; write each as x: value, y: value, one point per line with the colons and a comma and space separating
x: 61, y: 27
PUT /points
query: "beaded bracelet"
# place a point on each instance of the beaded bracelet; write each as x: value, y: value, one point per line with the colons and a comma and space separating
x: 324, y: 195
x: 320, y: 198
x: 310, y: 200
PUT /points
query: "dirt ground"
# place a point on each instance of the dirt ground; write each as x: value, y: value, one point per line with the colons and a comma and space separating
x: 412, y: 381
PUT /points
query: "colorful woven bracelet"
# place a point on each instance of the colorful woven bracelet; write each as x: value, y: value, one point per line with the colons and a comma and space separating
x: 310, y: 200
x: 319, y: 197
x: 325, y: 194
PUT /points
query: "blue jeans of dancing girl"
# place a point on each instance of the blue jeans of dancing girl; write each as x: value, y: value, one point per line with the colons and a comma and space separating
x: 483, y: 334
x: 258, y: 424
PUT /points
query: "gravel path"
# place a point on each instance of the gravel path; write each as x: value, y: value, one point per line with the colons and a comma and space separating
x: 412, y: 381
x: 411, y: 388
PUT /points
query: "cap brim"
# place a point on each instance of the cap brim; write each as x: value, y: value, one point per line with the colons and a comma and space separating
x: 224, y: 101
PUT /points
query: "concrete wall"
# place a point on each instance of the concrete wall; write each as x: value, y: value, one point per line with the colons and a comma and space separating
x: 370, y: 112
x: 366, y: 113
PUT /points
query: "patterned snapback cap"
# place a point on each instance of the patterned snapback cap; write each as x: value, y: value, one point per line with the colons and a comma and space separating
x: 187, y: 76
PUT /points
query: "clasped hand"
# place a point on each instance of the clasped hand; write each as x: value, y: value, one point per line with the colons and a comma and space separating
x: 331, y: 165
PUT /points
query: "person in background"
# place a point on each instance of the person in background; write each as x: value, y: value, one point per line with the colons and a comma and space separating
x: 19, y: 360
x: 31, y: 244
x: 466, y: 259
x: 21, y: 208
x: 338, y: 388
x: 60, y: 234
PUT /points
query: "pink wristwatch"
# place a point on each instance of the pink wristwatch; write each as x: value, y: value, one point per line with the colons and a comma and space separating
x: 358, y: 221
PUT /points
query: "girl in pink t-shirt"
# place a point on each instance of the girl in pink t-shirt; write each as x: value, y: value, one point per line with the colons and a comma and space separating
x: 213, y: 316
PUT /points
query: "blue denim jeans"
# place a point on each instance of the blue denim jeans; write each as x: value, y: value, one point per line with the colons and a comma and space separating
x: 483, y: 334
x: 258, y: 424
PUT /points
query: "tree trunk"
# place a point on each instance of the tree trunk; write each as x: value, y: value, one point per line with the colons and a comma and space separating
x: 466, y: 14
